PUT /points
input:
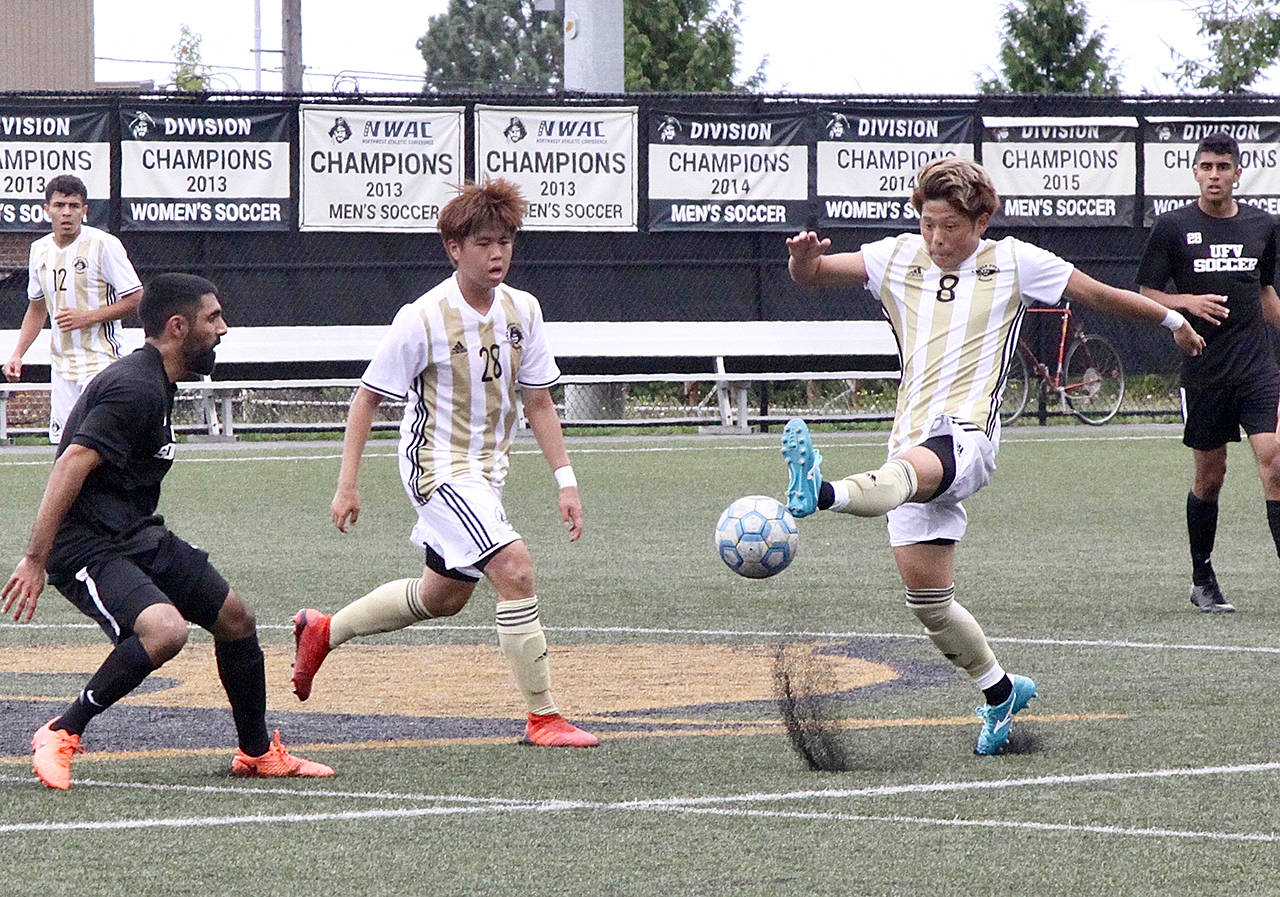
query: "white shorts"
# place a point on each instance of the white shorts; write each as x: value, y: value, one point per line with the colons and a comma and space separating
x: 463, y: 522
x: 62, y: 398
x: 944, y: 517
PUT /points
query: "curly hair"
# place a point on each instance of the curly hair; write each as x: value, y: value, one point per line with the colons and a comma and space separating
x: 965, y: 185
x: 495, y: 204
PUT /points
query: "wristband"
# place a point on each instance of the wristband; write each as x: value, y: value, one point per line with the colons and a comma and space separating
x: 1173, y: 320
x: 564, y: 477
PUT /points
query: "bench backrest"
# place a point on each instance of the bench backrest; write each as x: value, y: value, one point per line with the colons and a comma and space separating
x: 569, y: 339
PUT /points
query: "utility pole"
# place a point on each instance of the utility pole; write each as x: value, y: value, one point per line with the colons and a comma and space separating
x: 291, y: 28
x: 593, y: 56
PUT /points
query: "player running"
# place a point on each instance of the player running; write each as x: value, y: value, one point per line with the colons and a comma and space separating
x: 955, y: 301
x: 80, y: 277
x: 1221, y: 257
x: 456, y: 355
x: 105, y: 548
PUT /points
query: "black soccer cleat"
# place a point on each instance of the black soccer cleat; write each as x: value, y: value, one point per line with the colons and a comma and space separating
x: 1208, y: 599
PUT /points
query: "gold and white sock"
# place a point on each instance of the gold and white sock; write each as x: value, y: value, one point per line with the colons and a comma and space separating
x: 524, y: 645
x: 391, y: 606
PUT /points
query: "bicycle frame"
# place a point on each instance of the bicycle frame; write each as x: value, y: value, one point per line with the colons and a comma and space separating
x: 1053, y: 380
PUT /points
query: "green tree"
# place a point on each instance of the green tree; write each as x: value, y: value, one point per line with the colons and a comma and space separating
x: 189, y: 72
x: 684, y: 45
x: 1047, y: 47
x: 493, y: 45
x: 502, y: 44
x: 1243, y: 40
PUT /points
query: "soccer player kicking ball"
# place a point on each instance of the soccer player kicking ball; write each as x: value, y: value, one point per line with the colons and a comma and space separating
x: 955, y: 301
x: 456, y: 356
x: 105, y: 548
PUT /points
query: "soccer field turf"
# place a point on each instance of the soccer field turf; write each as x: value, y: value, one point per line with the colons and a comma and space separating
x: 1148, y: 764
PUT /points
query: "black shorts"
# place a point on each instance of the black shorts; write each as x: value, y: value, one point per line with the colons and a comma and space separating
x: 151, y: 567
x: 1214, y: 415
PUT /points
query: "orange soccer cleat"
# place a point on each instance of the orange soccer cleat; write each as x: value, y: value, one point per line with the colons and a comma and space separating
x: 311, y: 647
x: 553, y: 730
x: 52, y: 750
x: 276, y: 763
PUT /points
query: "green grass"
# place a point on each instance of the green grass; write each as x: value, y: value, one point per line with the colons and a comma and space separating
x: 1075, y: 563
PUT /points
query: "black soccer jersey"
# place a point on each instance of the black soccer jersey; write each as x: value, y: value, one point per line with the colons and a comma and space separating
x: 124, y: 414
x: 1233, y: 257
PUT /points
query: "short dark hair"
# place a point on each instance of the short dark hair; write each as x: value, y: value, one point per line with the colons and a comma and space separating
x: 1219, y: 142
x: 168, y: 295
x: 67, y: 185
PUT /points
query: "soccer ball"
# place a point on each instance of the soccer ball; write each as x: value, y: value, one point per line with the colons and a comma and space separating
x: 756, y: 537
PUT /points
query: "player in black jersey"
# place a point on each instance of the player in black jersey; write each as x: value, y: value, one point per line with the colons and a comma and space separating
x: 1220, y: 255
x: 102, y: 544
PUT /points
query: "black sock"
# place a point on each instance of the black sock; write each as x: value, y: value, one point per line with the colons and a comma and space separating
x: 826, y: 496
x: 1273, y: 521
x: 243, y: 675
x: 999, y: 693
x: 123, y: 671
x: 1202, y: 527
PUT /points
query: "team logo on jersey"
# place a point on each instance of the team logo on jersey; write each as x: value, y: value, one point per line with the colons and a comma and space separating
x: 80, y: 265
x: 458, y: 349
x: 915, y: 272
x: 515, y: 335
x: 1194, y: 238
x: 986, y: 272
x: 167, y: 452
x: 515, y: 131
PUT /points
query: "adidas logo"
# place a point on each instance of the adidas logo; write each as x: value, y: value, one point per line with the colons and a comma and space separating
x: 458, y: 349
x: 915, y: 272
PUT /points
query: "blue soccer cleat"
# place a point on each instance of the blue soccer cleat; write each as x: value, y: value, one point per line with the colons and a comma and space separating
x: 997, y: 721
x: 803, y: 468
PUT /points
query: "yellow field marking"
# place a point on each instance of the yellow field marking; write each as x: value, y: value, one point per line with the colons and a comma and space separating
x: 705, y: 729
x: 471, y: 680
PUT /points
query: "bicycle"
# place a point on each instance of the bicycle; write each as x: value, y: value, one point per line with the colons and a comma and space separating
x: 1088, y: 379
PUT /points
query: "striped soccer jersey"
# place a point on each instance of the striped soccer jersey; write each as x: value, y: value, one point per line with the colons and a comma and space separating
x: 957, y: 329
x: 458, y: 371
x: 91, y: 272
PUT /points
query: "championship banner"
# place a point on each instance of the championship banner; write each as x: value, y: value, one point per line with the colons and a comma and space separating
x: 728, y: 172
x: 39, y: 143
x: 1063, y: 172
x: 867, y: 161
x: 204, y: 167
x: 1169, y: 148
x: 378, y: 168
x: 576, y: 166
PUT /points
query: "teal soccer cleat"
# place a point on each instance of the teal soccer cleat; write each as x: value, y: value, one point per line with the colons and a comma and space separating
x: 997, y: 721
x: 803, y: 468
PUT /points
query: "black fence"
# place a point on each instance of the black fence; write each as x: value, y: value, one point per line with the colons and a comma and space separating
x: 291, y: 277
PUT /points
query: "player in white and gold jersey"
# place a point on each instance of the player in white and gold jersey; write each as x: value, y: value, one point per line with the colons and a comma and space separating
x: 457, y: 356
x: 81, y: 278
x: 955, y: 301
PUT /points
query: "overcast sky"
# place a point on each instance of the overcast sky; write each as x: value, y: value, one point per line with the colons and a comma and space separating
x: 813, y: 46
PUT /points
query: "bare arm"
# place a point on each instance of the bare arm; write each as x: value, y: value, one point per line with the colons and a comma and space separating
x: 1210, y: 306
x: 77, y: 319
x: 545, y: 423
x: 1108, y: 299
x: 1270, y: 306
x: 32, y: 321
x: 65, y: 482
x: 345, y: 509
x: 811, y: 268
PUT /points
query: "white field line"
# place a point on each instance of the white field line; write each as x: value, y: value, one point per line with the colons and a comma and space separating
x: 759, y: 634
x: 692, y: 446
x: 695, y: 805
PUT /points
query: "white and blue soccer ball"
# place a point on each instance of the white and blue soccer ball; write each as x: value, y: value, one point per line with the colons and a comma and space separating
x: 757, y: 537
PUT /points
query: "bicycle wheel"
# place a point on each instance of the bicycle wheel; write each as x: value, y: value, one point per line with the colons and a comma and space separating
x: 1093, y: 379
x: 1016, y: 390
